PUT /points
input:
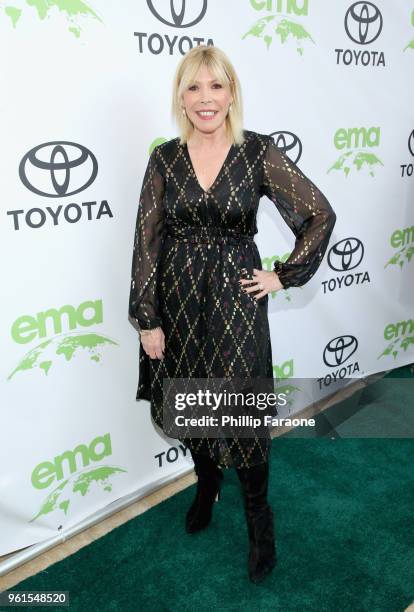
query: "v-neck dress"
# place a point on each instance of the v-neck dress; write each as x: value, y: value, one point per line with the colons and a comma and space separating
x: 191, y: 247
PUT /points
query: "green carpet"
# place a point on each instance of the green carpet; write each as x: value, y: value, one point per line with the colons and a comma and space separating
x: 384, y: 409
x: 344, y: 537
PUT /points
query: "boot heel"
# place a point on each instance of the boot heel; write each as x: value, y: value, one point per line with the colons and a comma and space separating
x: 208, y: 492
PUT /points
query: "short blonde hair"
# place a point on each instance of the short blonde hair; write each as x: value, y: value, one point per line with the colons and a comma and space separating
x: 222, y: 69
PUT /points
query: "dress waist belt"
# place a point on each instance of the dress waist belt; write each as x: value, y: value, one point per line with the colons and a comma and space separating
x: 208, y: 235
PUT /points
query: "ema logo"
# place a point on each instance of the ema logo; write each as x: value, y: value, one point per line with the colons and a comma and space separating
x: 344, y: 256
x: 403, y: 241
x: 55, y: 170
x: 177, y: 14
x: 363, y: 25
x: 76, y: 478
x: 356, y: 142
x: 70, y: 12
x: 280, y: 25
x: 281, y: 373
x: 401, y: 335
x: 60, y: 350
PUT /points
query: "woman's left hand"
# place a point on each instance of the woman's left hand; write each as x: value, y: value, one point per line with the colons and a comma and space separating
x: 263, y: 282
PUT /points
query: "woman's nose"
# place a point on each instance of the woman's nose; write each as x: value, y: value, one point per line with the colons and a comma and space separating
x: 205, y: 95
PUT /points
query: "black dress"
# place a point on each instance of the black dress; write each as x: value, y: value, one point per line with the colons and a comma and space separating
x: 191, y: 247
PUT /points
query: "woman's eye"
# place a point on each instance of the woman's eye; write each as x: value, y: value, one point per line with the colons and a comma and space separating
x: 192, y: 87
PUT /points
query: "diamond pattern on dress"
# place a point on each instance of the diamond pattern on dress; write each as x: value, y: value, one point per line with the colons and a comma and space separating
x: 191, y: 247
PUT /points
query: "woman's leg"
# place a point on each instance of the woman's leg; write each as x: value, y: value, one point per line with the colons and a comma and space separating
x: 259, y: 516
x: 209, y: 480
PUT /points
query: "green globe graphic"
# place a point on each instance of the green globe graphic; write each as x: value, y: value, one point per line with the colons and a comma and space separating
x: 66, y: 495
x: 72, y: 10
x: 64, y: 349
x: 397, y: 345
x: 410, y: 44
x: 358, y: 161
x: 404, y: 255
x: 283, y: 29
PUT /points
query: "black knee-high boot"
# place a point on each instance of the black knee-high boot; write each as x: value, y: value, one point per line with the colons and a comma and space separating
x: 259, y: 517
x: 209, y: 480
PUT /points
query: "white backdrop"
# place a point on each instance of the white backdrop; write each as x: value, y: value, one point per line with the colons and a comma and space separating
x: 86, y: 93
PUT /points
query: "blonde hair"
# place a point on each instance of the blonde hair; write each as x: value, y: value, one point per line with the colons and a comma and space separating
x: 222, y: 69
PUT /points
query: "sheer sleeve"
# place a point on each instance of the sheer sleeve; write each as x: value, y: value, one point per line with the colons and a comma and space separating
x: 148, y: 241
x: 305, y: 210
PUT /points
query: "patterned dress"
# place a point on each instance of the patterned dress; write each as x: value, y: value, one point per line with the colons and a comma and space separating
x: 192, y: 246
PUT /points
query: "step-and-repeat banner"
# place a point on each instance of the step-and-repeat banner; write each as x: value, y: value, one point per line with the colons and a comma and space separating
x: 86, y: 93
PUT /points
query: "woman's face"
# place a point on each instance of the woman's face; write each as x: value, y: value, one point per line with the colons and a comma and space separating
x: 206, y: 94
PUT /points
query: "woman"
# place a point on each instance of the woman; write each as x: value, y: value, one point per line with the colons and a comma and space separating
x: 198, y: 291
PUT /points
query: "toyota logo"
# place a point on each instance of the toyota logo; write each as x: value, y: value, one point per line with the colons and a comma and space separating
x: 363, y: 22
x: 289, y: 143
x: 411, y: 143
x: 346, y: 254
x: 339, y: 350
x: 56, y: 169
x: 187, y: 15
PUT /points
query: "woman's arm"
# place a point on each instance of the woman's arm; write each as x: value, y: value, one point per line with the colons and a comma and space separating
x: 305, y: 210
x: 148, y: 240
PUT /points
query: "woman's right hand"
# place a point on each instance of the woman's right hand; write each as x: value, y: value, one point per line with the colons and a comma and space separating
x: 154, y: 343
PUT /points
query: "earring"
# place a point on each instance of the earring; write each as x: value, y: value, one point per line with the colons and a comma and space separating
x: 230, y: 107
x: 183, y: 110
